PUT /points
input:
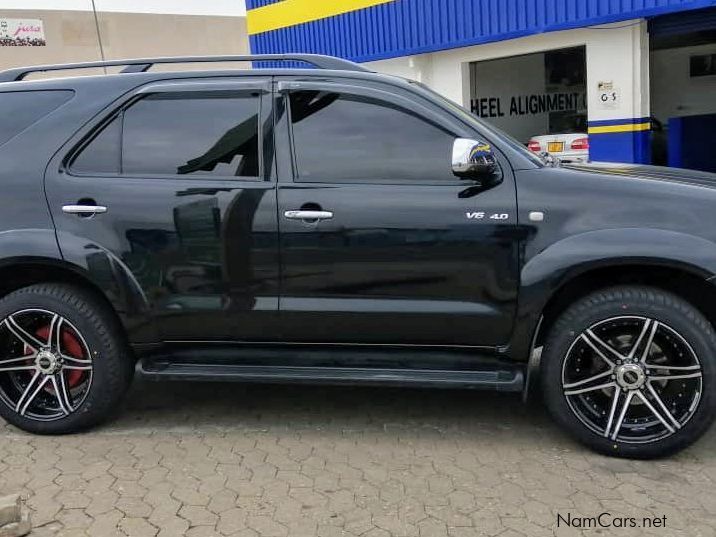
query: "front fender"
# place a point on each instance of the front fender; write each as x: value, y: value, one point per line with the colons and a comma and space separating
x: 586, y: 251
x: 544, y: 273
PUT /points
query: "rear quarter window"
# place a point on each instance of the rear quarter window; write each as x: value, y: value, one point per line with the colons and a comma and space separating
x: 20, y: 109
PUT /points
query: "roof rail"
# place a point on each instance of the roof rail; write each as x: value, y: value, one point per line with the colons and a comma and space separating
x: 140, y: 65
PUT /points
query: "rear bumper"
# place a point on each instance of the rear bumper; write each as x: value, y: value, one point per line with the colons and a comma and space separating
x: 572, y: 156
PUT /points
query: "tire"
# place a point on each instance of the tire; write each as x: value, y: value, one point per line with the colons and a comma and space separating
x: 81, y: 371
x: 661, y: 414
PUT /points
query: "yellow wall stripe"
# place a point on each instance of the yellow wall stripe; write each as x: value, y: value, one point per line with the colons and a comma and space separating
x: 630, y: 127
x: 291, y: 12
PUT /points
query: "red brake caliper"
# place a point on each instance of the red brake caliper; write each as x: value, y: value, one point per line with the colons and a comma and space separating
x: 70, y: 346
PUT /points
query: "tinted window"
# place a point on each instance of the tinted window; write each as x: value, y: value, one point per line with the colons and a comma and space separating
x: 204, y: 133
x: 345, y: 138
x: 20, y: 109
x: 101, y: 155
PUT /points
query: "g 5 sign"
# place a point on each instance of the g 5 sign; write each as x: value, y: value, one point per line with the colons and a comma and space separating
x: 608, y: 95
x: 609, y: 99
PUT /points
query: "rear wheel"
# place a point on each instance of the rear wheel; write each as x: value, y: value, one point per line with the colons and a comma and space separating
x: 630, y: 372
x: 63, y: 365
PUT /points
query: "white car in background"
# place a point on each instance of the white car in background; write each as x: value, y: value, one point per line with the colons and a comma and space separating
x: 566, y: 147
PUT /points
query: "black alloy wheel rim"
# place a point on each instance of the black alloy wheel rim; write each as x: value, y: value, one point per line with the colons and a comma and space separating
x: 632, y: 379
x: 45, y: 365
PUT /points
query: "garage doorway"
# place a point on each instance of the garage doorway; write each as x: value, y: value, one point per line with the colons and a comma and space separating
x: 682, y: 70
x: 539, y: 98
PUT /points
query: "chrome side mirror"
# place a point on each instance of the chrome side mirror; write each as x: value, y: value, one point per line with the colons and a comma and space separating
x: 472, y: 159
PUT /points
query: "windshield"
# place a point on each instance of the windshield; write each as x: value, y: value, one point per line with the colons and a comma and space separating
x: 481, y: 125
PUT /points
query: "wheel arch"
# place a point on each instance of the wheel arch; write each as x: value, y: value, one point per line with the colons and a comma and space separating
x: 579, y: 264
x: 688, y: 282
x: 22, y: 271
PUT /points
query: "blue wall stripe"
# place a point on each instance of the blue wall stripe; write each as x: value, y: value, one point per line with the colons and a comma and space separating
x: 625, y: 121
x: 405, y: 27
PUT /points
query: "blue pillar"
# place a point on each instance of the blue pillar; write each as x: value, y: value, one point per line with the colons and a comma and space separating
x: 620, y: 140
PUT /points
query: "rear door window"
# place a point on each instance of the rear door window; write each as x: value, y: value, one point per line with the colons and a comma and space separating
x: 203, y: 133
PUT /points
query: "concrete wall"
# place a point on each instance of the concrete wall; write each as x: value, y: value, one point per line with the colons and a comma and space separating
x: 72, y: 35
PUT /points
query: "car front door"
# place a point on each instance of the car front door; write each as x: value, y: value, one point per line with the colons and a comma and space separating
x: 380, y: 242
x: 172, y: 190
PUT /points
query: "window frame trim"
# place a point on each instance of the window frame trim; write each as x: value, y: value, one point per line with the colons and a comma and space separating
x: 261, y: 85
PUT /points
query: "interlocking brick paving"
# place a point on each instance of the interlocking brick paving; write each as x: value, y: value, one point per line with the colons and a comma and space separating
x: 267, y: 460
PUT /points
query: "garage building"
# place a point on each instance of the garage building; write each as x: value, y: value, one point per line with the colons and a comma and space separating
x: 636, y: 78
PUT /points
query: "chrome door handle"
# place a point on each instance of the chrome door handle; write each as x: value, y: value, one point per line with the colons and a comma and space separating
x: 84, y: 209
x: 308, y: 215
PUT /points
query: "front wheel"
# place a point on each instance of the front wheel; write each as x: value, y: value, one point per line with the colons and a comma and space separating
x: 630, y: 371
x: 63, y: 364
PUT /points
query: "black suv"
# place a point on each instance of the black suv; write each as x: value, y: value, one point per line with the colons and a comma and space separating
x: 334, y: 225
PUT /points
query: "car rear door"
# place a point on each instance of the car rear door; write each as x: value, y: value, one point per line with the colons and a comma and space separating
x: 380, y: 242
x: 172, y: 188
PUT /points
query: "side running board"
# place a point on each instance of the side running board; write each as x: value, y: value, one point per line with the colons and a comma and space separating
x: 509, y: 380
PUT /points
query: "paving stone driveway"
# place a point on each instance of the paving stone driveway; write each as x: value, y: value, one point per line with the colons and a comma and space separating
x: 208, y: 459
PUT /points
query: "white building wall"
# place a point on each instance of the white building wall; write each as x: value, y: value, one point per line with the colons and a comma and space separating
x: 224, y: 8
x: 125, y: 29
x: 617, y: 54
